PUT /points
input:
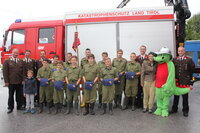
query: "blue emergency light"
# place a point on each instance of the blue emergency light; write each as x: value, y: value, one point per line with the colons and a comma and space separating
x: 18, y: 20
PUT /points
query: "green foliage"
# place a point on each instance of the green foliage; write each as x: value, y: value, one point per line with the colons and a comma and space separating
x: 193, y: 28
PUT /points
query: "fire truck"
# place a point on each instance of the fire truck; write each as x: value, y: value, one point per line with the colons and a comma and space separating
x: 100, y: 30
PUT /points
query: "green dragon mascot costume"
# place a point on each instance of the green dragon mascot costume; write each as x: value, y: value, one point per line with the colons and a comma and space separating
x: 165, y: 82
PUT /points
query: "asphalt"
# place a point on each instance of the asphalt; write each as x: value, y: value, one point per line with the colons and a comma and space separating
x: 121, y: 122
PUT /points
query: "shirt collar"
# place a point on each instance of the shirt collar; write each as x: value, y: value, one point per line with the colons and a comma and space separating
x: 133, y: 62
x: 109, y: 68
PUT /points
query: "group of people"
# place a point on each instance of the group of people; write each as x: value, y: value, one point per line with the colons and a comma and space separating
x: 49, y: 80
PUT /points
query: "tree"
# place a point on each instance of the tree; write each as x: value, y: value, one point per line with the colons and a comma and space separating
x: 193, y: 28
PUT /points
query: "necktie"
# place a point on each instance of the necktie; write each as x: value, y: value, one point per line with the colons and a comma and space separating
x: 15, y: 60
x: 27, y: 60
x: 181, y: 58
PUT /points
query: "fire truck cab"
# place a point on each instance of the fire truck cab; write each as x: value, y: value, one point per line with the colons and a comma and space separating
x: 35, y: 36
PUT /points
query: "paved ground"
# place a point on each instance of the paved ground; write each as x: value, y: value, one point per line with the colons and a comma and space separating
x: 121, y: 122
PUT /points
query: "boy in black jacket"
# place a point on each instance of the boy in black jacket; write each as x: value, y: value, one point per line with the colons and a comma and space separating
x: 30, y: 91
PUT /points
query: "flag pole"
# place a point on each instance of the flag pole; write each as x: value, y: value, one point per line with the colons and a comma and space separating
x: 77, y: 53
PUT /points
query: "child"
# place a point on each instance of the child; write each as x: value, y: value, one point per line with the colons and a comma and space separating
x: 90, y: 76
x: 132, y: 74
x: 108, y: 75
x: 30, y: 91
x: 58, y: 78
x: 73, y: 79
x: 44, y: 76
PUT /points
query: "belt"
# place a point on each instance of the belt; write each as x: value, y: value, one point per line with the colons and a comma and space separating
x: 89, y: 80
x: 72, y: 81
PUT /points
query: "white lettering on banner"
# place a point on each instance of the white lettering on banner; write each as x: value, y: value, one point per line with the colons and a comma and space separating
x: 40, y: 47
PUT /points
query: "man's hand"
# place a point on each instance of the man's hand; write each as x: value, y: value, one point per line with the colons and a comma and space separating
x: 6, y: 84
x: 138, y: 73
x: 122, y: 73
x: 24, y: 95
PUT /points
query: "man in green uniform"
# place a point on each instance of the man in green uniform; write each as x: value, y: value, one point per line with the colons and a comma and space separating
x: 58, y: 76
x: 101, y: 65
x: 68, y: 62
x: 132, y: 82
x: 120, y: 64
x: 108, y: 75
x: 44, y: 76
x: 73, y: 78
x: 53, y: 67
x: 84, y: 61
x: 90, y: 77
x: 66, y: 65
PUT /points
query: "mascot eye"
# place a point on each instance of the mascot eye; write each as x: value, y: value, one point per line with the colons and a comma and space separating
x: 163, y: 57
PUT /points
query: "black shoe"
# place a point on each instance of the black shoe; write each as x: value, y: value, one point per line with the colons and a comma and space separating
x: 173, y: 111
x: 110, y: 108
x: 100, y: 101
x: 76, y: 108
x: 92, y: 109
x: 56, y: 108
x: 20, y: 108
x: 48, y: 108
x: 116, y: 101
x: 86, y: 109
x: 104, y: 109
x: 133, y: 106
x: 41, y: 108
x: 68, y: 109
x: 9, y: 111
x: 185, y: 114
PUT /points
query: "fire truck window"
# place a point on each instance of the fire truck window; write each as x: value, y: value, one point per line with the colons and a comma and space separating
x: 8, y: 41
x: 46, y: 35
x: 18, y: 37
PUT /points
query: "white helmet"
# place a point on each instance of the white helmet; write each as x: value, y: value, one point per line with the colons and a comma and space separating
x: 164, y: 50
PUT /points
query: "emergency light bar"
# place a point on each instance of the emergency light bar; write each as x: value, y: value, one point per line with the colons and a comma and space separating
x: 18, y: 20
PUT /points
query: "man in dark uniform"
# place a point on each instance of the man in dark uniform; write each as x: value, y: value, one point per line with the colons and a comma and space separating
x: 13, y: 71
x: 29, y: 64
x: 140, y: 58
x: 184, y: 68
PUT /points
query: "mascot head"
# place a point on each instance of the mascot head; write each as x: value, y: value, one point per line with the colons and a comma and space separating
x: 164, y: 55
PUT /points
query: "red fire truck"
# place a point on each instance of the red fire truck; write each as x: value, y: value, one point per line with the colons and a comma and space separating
x: 105, y: 30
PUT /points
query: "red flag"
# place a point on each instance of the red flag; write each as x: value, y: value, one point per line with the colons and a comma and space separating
x: 76, y: 42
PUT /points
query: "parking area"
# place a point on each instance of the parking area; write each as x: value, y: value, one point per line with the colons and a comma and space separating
x: 121, y: 122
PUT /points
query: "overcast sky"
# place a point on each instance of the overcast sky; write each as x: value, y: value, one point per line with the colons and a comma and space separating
x: 28, y: 9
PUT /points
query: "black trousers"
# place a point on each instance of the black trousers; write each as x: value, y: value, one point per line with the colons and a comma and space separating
x: 185, y: 103
x: 38, y: 90
x: 18, y: 95
x: 139, y: 97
